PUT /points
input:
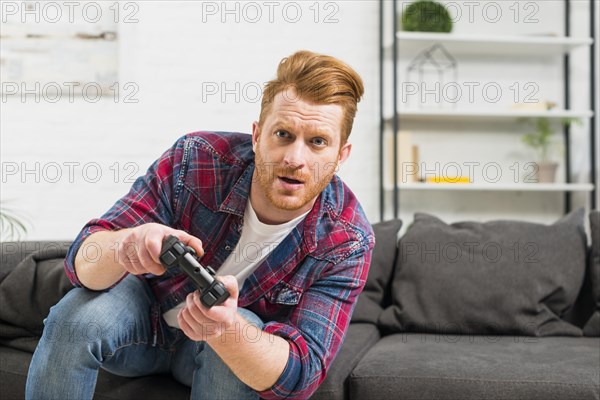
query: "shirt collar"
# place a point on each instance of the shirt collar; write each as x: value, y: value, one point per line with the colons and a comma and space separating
x: 235, y: 202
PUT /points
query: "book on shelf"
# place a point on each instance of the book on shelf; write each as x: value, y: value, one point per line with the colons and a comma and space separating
x: 407, y: 168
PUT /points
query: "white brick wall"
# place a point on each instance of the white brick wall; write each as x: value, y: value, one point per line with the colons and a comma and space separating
x: 173, y: 54
x: 175, y: 51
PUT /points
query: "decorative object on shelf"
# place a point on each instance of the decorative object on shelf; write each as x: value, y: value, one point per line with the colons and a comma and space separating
x: 426, y: 16
x: 408, y: 159
x: 448, y: 179
x: 432, y: 76
x: 12, y: 226
x: 541, y: 141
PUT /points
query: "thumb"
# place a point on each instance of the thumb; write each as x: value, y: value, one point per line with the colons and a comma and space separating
x: 191, y: 241
x: 231, y: 284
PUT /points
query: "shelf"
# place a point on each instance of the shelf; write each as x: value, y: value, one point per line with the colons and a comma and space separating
x: 471, y: 44
x: 486, y: 115
x: 484, y: 53
x: 514, y: 187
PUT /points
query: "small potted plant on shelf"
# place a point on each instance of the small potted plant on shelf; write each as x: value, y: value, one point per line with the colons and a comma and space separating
x: 426, y: 16
x: 541, y: 140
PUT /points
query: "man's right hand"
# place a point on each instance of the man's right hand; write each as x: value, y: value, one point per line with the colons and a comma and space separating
x: 139, y: 250
x: 132, y: 250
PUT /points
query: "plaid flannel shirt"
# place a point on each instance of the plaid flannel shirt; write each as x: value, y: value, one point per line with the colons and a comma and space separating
x: 305, y: 290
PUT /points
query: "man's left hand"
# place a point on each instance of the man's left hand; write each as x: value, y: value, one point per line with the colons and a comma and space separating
x: 201, y: 323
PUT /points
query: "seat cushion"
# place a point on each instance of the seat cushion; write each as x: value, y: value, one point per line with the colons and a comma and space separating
x: 359, y: 339
x: 14, y: 365
x: 442, y: 366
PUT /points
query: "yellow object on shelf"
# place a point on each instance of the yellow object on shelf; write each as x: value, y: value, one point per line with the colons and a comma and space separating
x: 448, y: 179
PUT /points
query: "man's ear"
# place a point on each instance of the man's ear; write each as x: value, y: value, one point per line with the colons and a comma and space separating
x: 255, y: 134
x: 344, y: 153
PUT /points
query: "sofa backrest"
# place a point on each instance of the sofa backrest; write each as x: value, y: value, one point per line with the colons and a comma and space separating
x: 582, y: 295
x: 12, y: 253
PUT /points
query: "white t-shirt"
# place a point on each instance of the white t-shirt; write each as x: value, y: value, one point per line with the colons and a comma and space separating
x: 256, y: 242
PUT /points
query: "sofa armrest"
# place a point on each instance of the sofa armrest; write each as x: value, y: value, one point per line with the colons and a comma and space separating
x: 359, y: 339
x: 30, y: 287
x: 12, y: 253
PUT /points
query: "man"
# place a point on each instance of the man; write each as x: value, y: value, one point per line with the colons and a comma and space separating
x: 287, y: 238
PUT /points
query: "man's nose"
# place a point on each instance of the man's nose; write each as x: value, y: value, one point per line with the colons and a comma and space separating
x: 294, y: 156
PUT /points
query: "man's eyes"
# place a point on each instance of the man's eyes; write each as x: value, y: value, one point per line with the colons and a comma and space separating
x: 318, y: 141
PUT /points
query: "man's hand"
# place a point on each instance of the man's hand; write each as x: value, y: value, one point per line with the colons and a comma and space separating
x: 201, y: 323
x: 139, y: 250
x: 131, y: 250
x: 257, y: 358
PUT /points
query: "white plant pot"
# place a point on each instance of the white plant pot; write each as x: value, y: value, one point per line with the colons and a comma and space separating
x: 546, y: 172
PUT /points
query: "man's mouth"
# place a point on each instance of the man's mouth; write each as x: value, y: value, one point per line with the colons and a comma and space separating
x: 290, y: 180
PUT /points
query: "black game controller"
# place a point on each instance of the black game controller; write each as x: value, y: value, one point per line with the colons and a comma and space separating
x: 176, y: 253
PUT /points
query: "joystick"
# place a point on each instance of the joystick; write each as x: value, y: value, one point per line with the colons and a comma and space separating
x: 176, y: 253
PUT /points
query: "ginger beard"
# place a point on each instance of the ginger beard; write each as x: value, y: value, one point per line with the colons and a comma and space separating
x: 314, y: 181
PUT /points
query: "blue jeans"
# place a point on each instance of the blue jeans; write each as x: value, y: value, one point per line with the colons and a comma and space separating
x: 89, y: 330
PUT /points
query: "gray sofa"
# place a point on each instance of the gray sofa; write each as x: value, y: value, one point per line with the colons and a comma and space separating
x: 438, y: 319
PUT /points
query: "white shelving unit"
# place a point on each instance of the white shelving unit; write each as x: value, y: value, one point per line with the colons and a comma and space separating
x: 475, y: 47
x: 534, y: 46
x: 513, y: 187
x: 486, y: 115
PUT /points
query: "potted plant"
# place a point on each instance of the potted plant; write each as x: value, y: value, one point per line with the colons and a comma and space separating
x: 541, y: 140
x: 426, y: 16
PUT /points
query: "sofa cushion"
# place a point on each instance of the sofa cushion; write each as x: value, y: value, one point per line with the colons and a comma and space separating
x: 375, y: 295
x: 443, y: 366
x: 505, y: 277
x: 359, y: 339
x: 29, y: 290
x: 592, y: 327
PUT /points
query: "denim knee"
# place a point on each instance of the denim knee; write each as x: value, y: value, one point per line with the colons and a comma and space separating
x: 83, y: 316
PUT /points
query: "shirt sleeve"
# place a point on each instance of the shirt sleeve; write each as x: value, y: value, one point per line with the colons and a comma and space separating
x: 317, y: 326
x: 150, y: 199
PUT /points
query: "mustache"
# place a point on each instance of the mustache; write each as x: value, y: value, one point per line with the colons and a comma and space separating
x: 274, y: 170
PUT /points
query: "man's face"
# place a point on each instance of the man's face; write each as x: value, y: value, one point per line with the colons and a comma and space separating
x: 298, y: 150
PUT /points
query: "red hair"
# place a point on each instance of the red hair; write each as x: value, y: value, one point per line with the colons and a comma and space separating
x: 319, y: 79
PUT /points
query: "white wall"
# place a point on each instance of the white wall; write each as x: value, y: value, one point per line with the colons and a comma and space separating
x: 176, y: 51
x: 173, y: 54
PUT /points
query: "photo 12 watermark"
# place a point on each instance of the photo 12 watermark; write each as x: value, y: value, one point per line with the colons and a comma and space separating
x: 53, y: 92
x: 75, y: 331
x: 436, y: 93
x: 253, y: 12
x: 60, y: 12
x: 72, y: 172
x: 491, y: 12
x: 470, y: 252
x: 468, y: 332
x: 250, y: 92
x: 468, y: 172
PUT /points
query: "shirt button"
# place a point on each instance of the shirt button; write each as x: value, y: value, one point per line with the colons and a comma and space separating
x: 227, y: 248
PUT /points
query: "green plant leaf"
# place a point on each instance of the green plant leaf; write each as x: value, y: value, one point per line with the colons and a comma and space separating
x: 12, y: 225
x: 426, y: 16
